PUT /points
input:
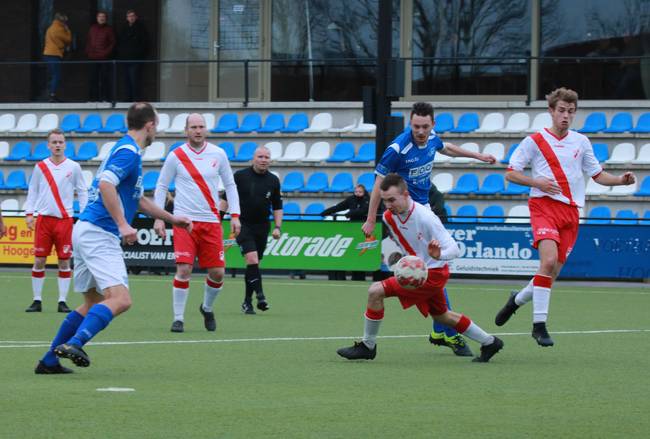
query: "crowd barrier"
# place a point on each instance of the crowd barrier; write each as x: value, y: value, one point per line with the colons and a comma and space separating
x: 601, y: 251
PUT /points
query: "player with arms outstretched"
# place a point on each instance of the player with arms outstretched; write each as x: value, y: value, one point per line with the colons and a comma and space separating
x: 559, y: 158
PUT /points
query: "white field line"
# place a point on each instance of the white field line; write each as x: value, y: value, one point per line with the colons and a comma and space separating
x: 40, y: 344
x: 364, y: 285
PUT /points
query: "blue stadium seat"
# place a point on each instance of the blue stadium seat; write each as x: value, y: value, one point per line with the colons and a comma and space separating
x: 251, y: 122
x: 149, y: 180
x: 70, y: 150
x: 467, y: 123
x: 646, y: 219
x: 493, y: 214
x: 229, y: 148
x: 16, y: 180
x: 2, y: 180
x: 492, y: 184
x: 92, y: 123
x: 342, y: 182
x: 599, y: 215
x: 291, y: 211
x: 20, y: 151
x: 293, y: 181
x: 468, y: 211
x: 71, y: 122
x: 621, y: 122
x: 87, y: 151
x: 245, y: 152
x: 515, y: 189
x: 274, y: 122
x: 40, y: 152
x: 173, y: 147
x: 444, y: 122
x: 367, y: 180
x: 644, y: 190
x: 594, y: 123
x: 227, y: 122
x: 601, y: 151
x: 466, y: 184
x: 448, y: 210
x: 344, y: 151
x: 312, y: 212
x: 297, y: 122
x: 114, y: 123
x: 366, y: 153
x: 626, y: 216
x: 316, y: 182
x: 506, y: 159
x: 643, y: 124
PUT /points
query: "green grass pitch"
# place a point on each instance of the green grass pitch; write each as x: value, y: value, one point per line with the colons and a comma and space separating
x: 276, y: 375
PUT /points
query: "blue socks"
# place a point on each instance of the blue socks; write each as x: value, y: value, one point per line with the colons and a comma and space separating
x: 439, y: 327
x: 99, y: 316
x: 66, y: 330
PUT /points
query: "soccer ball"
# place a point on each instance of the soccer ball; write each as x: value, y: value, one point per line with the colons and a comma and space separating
x: 410, y: 272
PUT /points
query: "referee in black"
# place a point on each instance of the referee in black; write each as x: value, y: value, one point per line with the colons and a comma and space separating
x: 259, y: 193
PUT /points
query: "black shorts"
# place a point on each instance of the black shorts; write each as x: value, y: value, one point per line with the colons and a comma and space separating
x: 253, y: 237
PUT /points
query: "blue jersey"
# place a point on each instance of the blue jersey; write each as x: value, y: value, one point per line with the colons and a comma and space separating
x: 123, y: 167
x: 412, y: 162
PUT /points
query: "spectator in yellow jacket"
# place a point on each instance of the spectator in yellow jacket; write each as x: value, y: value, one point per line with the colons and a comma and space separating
x: 57, y: 38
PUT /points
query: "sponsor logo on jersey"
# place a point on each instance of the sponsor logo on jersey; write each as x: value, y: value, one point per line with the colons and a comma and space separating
x: 421, y: 170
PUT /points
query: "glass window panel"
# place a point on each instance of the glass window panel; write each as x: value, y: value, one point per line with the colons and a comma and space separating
x: 338, y: 34
x: 598, y: 29
x: 457, y: 31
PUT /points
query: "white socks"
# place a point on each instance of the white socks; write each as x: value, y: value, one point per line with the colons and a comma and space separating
x: 210, y: 293
x: 180, y: 292
x: 38, y: 278
x: 64, y: 284
x: 541, y: 297
x: 525, y: 295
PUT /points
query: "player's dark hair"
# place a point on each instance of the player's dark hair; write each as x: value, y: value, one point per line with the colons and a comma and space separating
x: 393, y: 180
x: 54, y: 131
x: 422, y: 109
x: 139, y: 114
x: 562, y: 94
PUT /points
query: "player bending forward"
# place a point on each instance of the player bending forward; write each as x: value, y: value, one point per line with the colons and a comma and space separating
x: 419, y: 232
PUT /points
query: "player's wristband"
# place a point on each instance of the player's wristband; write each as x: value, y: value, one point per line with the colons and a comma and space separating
x: 29, y: 214
x: 234, y: 215
x: 277, y: 227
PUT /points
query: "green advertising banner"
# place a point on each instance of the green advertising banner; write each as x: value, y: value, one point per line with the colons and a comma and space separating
x: 303, y: 245
x: 314, y: 245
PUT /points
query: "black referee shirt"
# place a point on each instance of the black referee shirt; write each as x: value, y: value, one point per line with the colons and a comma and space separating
x: 258, y: 195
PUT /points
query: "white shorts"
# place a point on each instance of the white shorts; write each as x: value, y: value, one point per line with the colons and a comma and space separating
x: 98, y: 260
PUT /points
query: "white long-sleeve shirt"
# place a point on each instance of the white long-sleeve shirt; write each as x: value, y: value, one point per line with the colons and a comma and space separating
x: 44, y: 199
x: 196, y: 175
x: 570, y: 158
x: 414, y: 230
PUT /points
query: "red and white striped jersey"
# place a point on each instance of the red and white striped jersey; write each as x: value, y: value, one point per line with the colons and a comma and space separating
x: 414, y: 230
x: 196, y: 175
x: 564, y: 160
x: 52, y: 188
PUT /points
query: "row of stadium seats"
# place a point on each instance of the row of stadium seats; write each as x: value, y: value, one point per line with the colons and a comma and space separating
x: 520, y: 122
x: 520, y: 214
x: 494, y: 184
x: 296, y: 181
x: 495, y: 122
x: 466, y: 214
x: 294, y: 151
x: 228, y: 122
x: 622, y: 153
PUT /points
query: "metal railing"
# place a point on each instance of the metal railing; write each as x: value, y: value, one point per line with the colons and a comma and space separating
x: 453, y: 72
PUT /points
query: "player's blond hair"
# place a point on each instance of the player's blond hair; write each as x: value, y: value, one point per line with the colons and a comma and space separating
x: 562, y: 94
